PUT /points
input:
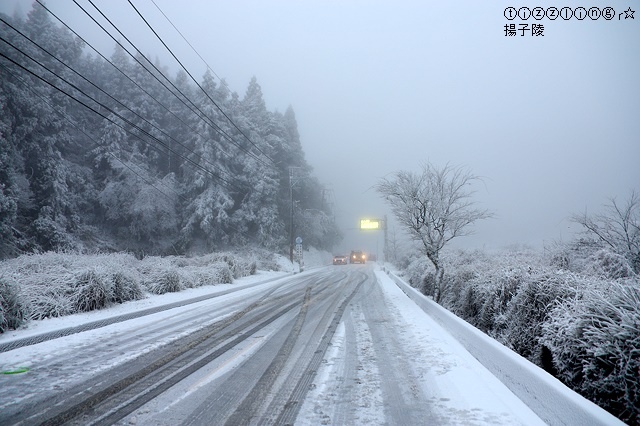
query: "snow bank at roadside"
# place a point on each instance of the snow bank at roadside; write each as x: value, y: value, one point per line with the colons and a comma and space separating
x: 314, y: 258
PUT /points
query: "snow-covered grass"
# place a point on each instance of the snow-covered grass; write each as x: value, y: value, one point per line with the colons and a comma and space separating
x: 574, y: 310
x: 38, y: 286
x: 595, y: 341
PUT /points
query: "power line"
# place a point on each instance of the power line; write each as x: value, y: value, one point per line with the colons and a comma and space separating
x: 101, y: 90
x: 192, y: 48
x: 106, y: 108
x: 222, y: 81
x: 68, y: 119
x: 129, y: 78
x: 196, y: 82
x: 200, y: 113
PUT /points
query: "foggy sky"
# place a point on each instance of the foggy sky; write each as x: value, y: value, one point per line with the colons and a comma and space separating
x: 550, y: 123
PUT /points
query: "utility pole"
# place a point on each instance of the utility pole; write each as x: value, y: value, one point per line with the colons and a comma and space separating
x: 294, y: 175
x: 386, y: 245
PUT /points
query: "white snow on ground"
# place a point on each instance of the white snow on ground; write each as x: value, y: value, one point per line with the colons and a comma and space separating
x: 453, y: 376
x: 313, y: 258
x: 460, y: 389
x: 31, y: 356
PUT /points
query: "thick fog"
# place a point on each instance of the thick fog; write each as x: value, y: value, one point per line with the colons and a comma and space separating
x: 549, y: 122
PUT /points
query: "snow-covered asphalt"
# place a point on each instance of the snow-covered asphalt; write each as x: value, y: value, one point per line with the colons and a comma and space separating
x: 337, y: 345
x: 390, y: 364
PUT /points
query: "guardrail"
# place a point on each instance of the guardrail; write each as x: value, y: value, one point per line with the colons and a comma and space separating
x: 549, y: 398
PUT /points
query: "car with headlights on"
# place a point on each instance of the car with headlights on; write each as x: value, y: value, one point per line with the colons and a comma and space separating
x: 357, y: 257
x: 339, y: 259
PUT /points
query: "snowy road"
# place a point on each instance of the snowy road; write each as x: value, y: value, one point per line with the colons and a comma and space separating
x: 339, y: 345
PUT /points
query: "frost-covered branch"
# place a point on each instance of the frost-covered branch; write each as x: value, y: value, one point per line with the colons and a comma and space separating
x: 618, y: 228
x: 434, y: 206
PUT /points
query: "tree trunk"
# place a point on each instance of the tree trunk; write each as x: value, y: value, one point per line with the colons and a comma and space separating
x: 439, y: 275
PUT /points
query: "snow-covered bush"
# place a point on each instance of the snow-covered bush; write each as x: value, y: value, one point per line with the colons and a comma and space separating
x: 45, y: 300
x: 521, y: 327
x: 38, y: 286
x: 210, y: 269
x: 43, y: 283
x: 223, y: 272
x: 573, y: 310
x: 216, y: 273
x: 90, y: 291
x: 54, y: 283
x: 607, y: 264
x: 11, y: 312
x: 196, y: 277
x: 479, y: 286
x: 417, y: 272
x: 239, y: 266
x: 594, y: 338
x: 162, y: 281
x: 125, y: 287
x: 591, y: 258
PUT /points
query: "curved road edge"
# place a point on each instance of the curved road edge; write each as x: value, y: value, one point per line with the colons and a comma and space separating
x: 549, y: 398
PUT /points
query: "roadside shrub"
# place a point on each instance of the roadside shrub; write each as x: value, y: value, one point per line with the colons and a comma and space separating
x: 125, y: 288
x: 90, y: 291
x: 52, y: 284
x: 44, y: 301
x: 197, y: 277
x: 239, y: 266
x: 416, y: 274
x: 223, y: 273
x: 164, y: 281
x: 180, y: 262
x: 529, y: 309
x: 11, y: 312
x: 607, y: 264
x: 574, y: 311
x: 482, y: 286
x: 594, y: 339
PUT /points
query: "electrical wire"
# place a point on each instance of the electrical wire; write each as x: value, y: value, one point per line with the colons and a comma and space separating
x: 222, y: 81
x: 100, y: 89
x: 187, y: 41
x: 225, y: 184
x: 70, y: 121
x: 200, y: 113
x: 196, y: 82
x: 163, y: 106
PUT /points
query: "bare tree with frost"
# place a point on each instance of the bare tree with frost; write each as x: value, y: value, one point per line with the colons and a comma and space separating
x: 434, y: 206
x: 618, y: 227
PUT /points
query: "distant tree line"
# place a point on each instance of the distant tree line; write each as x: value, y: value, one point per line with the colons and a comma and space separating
x: 116, y: 154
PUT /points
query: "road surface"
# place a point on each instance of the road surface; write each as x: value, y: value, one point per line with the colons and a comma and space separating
x: 337, y: 345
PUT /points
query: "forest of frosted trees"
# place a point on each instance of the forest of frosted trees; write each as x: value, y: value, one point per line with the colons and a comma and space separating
x: 114, y: 153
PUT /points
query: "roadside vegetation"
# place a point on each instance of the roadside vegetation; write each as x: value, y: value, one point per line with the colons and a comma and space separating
x: 573, y: 308
x: 38, y: 286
